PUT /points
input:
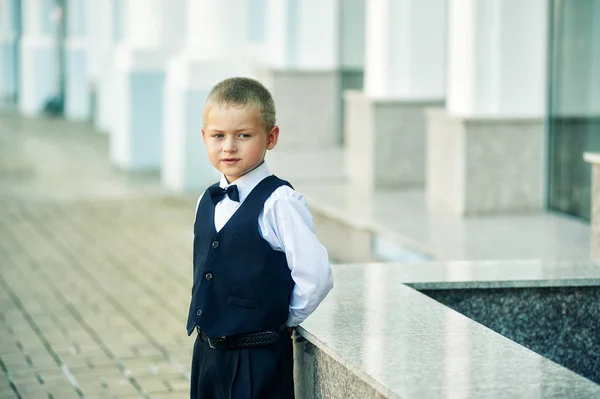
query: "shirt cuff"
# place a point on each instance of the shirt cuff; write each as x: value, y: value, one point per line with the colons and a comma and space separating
x: 293, y: 321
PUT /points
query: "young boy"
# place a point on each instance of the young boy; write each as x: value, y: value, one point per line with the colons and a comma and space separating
x: 259, y: 269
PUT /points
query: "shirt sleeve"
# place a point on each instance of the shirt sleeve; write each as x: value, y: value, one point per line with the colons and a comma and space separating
x: 288, y: 227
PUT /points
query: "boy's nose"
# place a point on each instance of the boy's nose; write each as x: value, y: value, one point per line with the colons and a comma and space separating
x: 229, y: 146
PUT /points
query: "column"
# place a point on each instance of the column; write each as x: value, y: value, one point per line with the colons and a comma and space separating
x: 152, y: 34
x: 9, y: 24
x: 205, y: 60
x: 257, y: 28
x: 39, y: 78
x: 485, y: 150
x: 302, y: 71
x: 405, y: 73
x: 108, y: 32
x: 77, y: 95
x: 352, y: 51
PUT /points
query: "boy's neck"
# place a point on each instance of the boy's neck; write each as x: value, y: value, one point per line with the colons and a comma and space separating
x: 251, y: 170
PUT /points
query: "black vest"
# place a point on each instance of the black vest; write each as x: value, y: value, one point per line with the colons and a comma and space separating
x: 241, y: 284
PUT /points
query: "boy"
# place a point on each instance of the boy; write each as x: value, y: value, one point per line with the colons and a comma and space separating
x: 259, y: 269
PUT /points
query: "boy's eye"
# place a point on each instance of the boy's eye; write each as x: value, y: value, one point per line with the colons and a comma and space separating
x: 244, y: 135
x: 218, y: 136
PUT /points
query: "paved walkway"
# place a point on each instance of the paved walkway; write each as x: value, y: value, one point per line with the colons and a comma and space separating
x: 94, y: 270
x: 95, y: 263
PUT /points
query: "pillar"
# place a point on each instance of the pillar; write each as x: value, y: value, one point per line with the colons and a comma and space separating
x: 39, y: 78
x: 77, y: 98
x: 9, y: 25
x: 485, y: 150
x: 352, y: 51
x: 302, y: 71
x: 257, y: 32
x: 191, y: 74
x: 405, y: 73
x: 107, y: 34
x: 152, y: 34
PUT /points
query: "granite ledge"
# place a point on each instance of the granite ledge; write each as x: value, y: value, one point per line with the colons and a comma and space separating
x: 405, y: 344
x: 506, y: 284
x: 494, y: 274
x: 366, y: 224
x: 377, y: 389
x: 592, y: 157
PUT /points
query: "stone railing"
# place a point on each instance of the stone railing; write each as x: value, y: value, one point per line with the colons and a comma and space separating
x: 458, y: 329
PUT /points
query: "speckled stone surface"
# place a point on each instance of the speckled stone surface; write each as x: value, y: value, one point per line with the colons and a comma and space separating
x: 385, y: 141
x: 561, y: 324
x: 402, y: 216
x: 485, y: 274
x: 320, y: 376
x: 467, y: 168
x: 404, y: 344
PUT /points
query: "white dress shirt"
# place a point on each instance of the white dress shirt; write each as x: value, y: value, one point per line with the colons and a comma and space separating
x: 287, y: 225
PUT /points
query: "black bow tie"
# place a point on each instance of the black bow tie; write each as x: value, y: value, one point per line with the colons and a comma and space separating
x: 218, y: 193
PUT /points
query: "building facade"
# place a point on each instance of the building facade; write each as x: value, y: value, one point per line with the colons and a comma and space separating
x: 486, y: 104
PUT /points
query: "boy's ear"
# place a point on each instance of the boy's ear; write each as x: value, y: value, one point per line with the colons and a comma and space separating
x: 272, y: 137
x: 204, y: 135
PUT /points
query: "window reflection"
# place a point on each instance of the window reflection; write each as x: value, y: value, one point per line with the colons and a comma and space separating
x: 574, y: 102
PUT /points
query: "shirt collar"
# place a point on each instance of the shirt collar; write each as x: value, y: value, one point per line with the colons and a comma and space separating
x: 247, y: 182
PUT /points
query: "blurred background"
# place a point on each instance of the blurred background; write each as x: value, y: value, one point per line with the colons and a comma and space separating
x: 466, y: 107
x: 137, y: 71
x: 419, y: 130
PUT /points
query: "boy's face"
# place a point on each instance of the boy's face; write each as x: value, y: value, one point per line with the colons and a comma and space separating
x: 235, y: 139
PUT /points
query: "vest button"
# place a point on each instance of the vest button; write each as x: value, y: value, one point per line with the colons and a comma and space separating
x: 199, y: 312
x: 209, y: 276
x: 215, y: 244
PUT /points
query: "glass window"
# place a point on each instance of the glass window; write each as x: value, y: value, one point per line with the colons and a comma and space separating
x: 574, y: 103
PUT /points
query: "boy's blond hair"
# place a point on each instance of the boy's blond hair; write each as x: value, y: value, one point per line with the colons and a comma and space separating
x: 244, y: 92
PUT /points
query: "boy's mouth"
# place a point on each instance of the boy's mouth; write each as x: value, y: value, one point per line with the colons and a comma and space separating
x: 230, y: 161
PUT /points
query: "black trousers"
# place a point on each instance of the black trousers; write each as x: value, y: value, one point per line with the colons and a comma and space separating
x: 249, y: 373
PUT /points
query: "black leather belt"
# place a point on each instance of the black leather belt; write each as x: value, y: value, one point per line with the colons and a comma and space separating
x: 239, y: 341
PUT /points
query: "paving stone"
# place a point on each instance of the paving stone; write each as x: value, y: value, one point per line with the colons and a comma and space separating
x: 116, y: 385
x: 39, y: 391
x: 6, y: 390
x: 8, y: 393
x: 95, y: 271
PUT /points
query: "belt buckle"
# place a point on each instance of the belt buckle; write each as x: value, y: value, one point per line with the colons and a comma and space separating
x: 212, y: 346
x: 206, y: 337
x: 210, y: 343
